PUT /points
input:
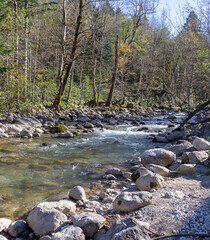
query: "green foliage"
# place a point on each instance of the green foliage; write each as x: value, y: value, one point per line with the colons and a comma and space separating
x: 135, y: 175
x: 153, y: 185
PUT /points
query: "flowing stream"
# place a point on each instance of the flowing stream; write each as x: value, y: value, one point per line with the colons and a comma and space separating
x: 30, y: 172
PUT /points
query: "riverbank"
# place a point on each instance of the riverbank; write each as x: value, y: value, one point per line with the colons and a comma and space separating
x: 158, y: 200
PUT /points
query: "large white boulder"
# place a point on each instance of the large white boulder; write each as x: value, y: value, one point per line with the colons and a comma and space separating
x: 44, y: 220
x: 149, y: 181
x: 196, y: 157
x: 158, y: 156
x: 89, y: 222
x: 201, y: 144
x: 129, y: 201
x: 4, y: 223
x: 64, y: 206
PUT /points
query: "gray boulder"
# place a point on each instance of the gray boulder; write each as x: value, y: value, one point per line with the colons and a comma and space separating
x: 174, y: 136
x: 149, y: 181
x: 4, y: 223
x: 201, y: 144
x: 185, y: 146
x: 3, y: 238
x: 89, y: 222
x: 127, y: 228
x: 190, y: 169
x: 158, y: 156
x: 71, y: 232
x: 196, y: 157
x: 129, y: 201
x: 77, y: 193
x: 163, y: 171
x: 17, y: 228
x: 30, y: 121
x: 92, y: 204
x: 88, y: 125
x: 44, y: 220
x: 64, y: 206
x: 26, y: 133
x: 66, y: 134
x: 114, y: 171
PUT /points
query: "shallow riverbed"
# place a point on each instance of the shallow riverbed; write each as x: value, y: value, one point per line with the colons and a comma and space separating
x: 30, y: 172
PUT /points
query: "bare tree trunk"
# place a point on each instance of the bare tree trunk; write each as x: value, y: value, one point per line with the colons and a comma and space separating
x: 114, y: 75
x: 191, y: 114
x: 26, y: 48
x: 71, y: 83
x: 94, y: 71
x: 72, y: 56
x: 17, y: 49
x: 61, y: 67
x: 100, y: 76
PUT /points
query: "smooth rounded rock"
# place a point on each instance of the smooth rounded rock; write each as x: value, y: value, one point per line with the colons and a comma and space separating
x: 201, y: 144
x: 89, y: 222
x: 188, y: 169
x: 197, y: 157
x: 129, y: 201
x: 158, y: 156
x: 66, y: 134
x: 77, y: 193
x: 149, y: 181
x: 163, y: 171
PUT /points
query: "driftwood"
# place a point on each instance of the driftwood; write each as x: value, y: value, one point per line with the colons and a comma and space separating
x: 191, y: 114
x: 183, y: 235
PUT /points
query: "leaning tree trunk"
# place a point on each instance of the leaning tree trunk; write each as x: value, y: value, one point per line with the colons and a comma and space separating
x: 191, y: 114
x: 72, y: 56
x: 114, y: 75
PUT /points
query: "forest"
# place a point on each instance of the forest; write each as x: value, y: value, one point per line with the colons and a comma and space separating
x: 62, y: 54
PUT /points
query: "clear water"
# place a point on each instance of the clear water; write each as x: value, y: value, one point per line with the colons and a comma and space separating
x: 30, y: 172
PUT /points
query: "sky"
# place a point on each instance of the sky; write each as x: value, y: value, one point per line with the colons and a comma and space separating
x: 177, y: 11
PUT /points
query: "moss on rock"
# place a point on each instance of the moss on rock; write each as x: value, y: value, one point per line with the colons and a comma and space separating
x: 58, y: 128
